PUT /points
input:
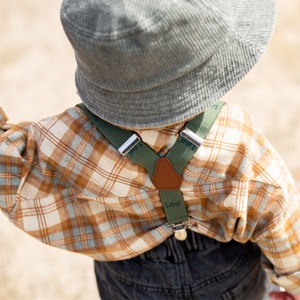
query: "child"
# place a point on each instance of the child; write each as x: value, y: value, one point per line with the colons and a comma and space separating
x: 152, y: 66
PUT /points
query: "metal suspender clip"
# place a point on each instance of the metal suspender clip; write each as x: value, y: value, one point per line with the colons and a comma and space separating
x: 192, y: 137
x: 179, y: 231
x: 129, y: 144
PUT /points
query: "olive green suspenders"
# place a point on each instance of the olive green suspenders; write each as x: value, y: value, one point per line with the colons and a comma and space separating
x: 165, y: 172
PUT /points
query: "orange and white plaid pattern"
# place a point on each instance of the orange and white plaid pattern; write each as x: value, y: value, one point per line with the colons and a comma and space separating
x: 64, y: 184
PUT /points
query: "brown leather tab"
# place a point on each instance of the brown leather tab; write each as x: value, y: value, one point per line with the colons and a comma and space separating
x: 165, y: 177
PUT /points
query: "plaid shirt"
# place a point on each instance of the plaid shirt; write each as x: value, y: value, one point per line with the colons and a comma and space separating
x: 64, y: 184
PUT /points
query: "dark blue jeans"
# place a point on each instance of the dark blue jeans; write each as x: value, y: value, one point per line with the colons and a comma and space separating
x: 197, y: 268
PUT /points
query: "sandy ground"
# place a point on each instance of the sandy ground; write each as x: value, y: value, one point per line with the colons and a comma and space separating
x: 36, y: 80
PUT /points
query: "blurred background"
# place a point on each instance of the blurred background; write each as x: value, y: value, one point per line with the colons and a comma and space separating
x: 36, y: 80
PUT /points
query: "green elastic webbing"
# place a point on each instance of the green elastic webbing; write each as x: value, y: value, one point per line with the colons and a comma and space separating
x: 141, y: 154
x: 202, y: 124
x: 174, y: 206
x: 116, y: 135
x: 144, y: 156
x: 179, y: 155
x: 182, y: 152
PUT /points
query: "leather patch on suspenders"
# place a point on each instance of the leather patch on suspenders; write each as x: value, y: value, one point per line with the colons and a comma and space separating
x: 165, y: 177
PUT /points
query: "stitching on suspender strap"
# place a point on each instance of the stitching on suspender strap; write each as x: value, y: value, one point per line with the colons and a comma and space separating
x: 165, y: 172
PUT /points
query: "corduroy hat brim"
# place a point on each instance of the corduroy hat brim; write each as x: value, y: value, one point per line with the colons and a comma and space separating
x: 191, y: 93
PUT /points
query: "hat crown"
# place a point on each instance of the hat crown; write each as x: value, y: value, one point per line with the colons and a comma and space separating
x: 153, y: 63
x: 131, y: 46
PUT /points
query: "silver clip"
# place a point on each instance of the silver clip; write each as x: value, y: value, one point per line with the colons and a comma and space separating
x: 192, y: 137
x: 179, y: 231
x: 129, y: 144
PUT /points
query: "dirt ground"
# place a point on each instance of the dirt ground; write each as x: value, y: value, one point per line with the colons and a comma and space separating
x: 36, y: 80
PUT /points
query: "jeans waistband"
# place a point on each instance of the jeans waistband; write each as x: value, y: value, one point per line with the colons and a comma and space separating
x: 176, y: 250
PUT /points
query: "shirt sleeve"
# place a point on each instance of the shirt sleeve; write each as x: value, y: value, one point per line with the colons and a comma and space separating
x: 14, y: 160
x: 273, y: 209
x: 279, y: 226
x: 281, y: 245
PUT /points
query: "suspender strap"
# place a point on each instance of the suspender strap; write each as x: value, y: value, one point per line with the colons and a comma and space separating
x: 191, y: 138
x: 174, y: 206
x: 137, y: 151
x: 168, y: 169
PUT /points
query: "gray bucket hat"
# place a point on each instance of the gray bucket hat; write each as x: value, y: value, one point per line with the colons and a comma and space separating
x: 154, y: 63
